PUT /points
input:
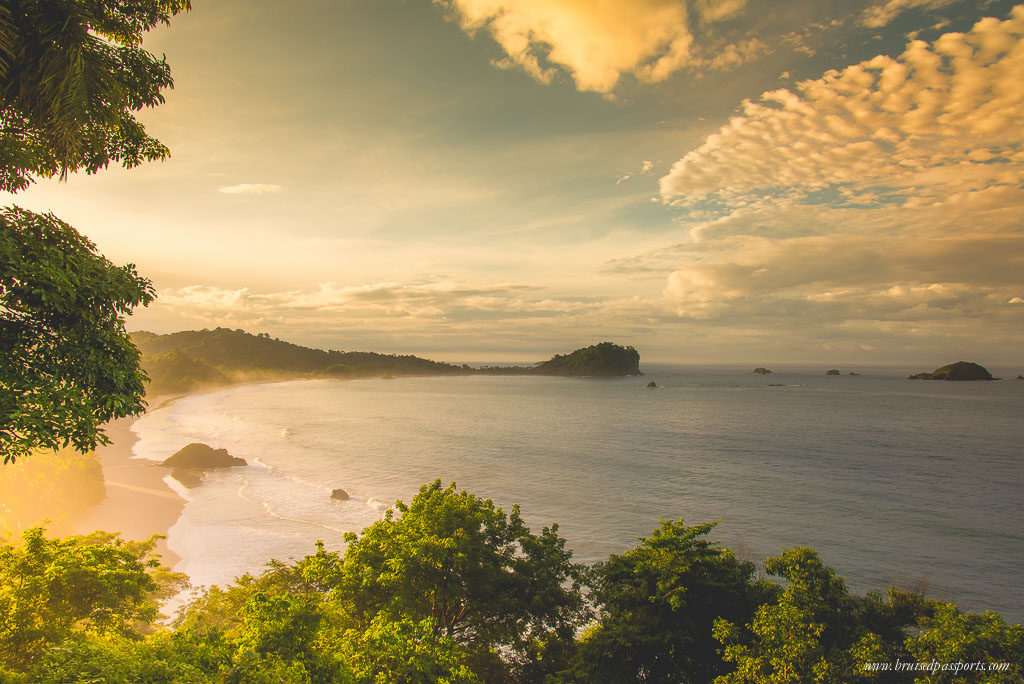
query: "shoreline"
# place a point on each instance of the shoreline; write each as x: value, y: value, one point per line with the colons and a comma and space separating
x: 138, y: 503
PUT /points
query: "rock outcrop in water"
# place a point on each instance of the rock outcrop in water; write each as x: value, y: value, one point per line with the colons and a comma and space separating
x: 340, y: 495
x: 832, y: 371
x: 651, y: 385
x: 762, y: 371
x: 604, y: 360
x: 202, y: 456
x: 961, y: 370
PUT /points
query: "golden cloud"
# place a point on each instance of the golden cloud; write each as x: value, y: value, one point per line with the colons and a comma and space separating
x: 599, y: 41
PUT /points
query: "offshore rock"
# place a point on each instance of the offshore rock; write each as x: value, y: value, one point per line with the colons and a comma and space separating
x: 833, y: 371
x: 961, y: 370
x: 339, y: 494
x: 198, y: 455
x: 762, y: 371
x: 651, y: 385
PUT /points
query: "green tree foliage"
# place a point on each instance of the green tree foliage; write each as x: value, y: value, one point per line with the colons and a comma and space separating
x: 479, y: 575
x: 452, y: 589
x: 815, y: 632
x: 954, y: 637
x: 658, y: 602
x: 72, y: 74
x: 67, y: 366
x: 405, y: 651
x: 56, y: 590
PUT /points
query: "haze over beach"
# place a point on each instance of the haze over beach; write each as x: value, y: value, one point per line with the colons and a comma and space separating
x: 712, y: 309
x: 477, y: 181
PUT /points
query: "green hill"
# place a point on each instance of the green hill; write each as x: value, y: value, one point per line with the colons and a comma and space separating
x: 604, y: 360
x: 193, y: 359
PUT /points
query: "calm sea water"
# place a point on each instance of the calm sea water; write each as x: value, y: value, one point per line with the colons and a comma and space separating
x: 892, y: 481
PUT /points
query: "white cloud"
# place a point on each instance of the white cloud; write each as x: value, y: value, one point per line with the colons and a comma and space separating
x: 250, y: 189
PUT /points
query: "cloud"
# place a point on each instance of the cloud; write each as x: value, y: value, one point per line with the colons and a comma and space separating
x: 880, y: 202
x: 330, y: 301
x: 941, y: 118
x: 881, y: 13
x: 599, y: 41
x: 445, y: 316
x: 250, y: 189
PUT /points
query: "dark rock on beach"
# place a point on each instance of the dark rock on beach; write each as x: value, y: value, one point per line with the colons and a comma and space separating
x: 651, y: 385
x: 340, y: 495
x: 198, y: 455
x: 961, y: 370
x: 190, y: 478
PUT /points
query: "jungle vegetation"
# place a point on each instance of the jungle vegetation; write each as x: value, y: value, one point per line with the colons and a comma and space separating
x: 451, y: 588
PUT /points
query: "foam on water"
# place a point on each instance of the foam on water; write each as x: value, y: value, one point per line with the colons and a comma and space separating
x: 890, y: 480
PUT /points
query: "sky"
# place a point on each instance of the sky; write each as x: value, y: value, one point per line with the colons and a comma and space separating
x: 707, y: 180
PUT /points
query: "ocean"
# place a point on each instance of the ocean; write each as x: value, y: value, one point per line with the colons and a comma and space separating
x: 892, y: 481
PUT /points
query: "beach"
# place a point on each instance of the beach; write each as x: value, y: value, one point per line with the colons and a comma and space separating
x: 139, y: 503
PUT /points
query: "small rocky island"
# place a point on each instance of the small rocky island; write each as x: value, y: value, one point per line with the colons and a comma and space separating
x: 604, y: 360
x: 203, y: 457
x: 762, y: 371
x: 961, y: 370
x: 832, y: 371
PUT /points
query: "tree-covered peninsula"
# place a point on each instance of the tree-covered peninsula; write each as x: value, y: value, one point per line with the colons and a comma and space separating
x: 195, y: 359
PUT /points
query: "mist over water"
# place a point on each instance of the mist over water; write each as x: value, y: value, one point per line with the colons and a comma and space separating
x: 892, y: 481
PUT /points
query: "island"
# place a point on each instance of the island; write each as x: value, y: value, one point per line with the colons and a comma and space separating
x: 201, y: 359
x: 961, y: 370
x: 762, y: 371
x: 832, y: 371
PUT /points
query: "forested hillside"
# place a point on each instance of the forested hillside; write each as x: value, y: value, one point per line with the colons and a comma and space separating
x: 192, y: 359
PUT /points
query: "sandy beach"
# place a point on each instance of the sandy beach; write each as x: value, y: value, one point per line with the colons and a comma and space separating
x: 138, y: 504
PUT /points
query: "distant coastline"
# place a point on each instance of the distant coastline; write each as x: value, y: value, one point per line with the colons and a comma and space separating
x: 198, y: 359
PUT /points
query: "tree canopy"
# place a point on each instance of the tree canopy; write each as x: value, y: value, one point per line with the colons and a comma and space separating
x: 450, y: 588
x: 67, y: 366
x: 72, y: 74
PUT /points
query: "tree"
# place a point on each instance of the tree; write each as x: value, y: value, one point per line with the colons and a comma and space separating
x: 658, y: 602
x: 72, y: 73
x: 54, y: 590
x: 67, y: 366
x: 815, y: 632
x: 954, y: 638
x: 481, y: 578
